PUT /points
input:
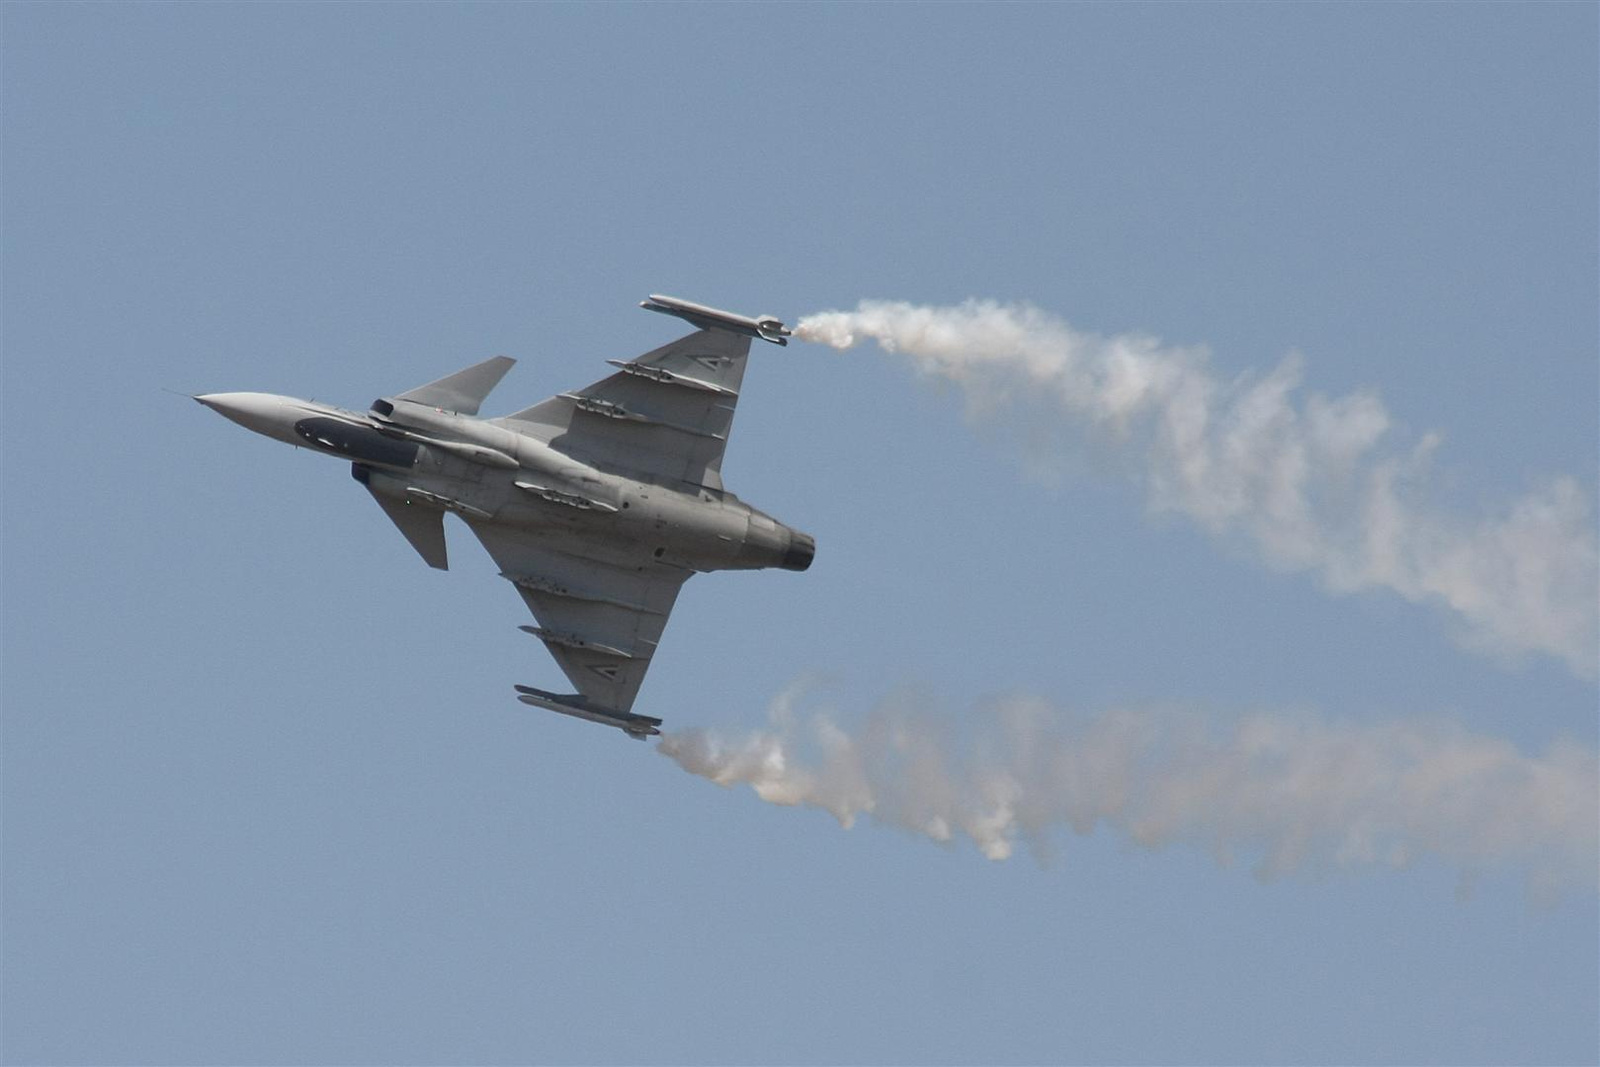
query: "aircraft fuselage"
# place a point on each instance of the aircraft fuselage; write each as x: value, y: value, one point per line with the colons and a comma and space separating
x: 413, y: 453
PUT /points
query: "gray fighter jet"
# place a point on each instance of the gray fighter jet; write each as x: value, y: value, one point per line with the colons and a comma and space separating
x: 597, y: 505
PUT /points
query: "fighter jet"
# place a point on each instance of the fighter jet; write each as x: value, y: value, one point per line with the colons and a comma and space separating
x: 596, y: 505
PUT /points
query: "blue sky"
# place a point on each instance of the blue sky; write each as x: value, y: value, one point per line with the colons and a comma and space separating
x: 267, y: 795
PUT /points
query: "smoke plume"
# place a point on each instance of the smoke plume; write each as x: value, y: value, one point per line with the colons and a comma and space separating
x: 1291, y: 793
x: 1309, y: 481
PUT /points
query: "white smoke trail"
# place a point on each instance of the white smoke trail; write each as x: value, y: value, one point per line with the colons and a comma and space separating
x: 1308, y: 482
x: 1297, y: 793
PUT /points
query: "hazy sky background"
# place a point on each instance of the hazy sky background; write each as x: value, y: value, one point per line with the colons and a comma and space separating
x: 268, y: 797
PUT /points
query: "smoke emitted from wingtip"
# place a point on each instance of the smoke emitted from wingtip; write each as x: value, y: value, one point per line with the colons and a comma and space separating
x: 1291, y: 793
x: 1310, y: 481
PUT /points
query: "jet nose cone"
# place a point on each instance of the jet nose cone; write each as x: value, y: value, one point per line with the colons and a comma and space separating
x: 261, y: 412
x: 240, y: 407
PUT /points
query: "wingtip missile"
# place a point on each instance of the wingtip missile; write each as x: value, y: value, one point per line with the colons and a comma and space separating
x: 766, y: 327
x: 637, y: 727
